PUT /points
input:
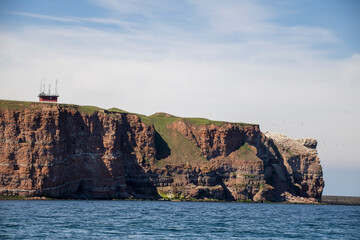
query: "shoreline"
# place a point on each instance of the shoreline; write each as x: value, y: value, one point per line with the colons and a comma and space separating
x: 325, y: 200
x: 18, y: 198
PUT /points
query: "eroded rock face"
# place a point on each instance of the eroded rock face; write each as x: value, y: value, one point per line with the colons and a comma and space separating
x: 58, y: 151
x: 215, y: 141
x: 302, y: 164
x: 246, y: 164
x: 308, y: 142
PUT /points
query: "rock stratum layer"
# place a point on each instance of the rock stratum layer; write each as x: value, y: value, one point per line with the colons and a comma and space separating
x: 82, y: 152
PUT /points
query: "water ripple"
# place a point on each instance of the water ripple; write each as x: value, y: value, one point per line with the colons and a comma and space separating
x: 175, y: 220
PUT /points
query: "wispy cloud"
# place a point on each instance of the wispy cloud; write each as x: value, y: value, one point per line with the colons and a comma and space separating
x: 75, y: 20
x: 45, y: 17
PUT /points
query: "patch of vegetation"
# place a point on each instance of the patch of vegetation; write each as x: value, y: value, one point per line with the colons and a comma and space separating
x: 182, y: 149
x: 89, y: 109
x: 244, y: 201
x: 65, y: 105
x: 205, y: 121
x: 145, y: 119
x: 13, y: 105
x: 246, y: 147
x: 164, y: 195
x: 163, y: 115
x: 246, y: 152
x: 160, y: 120
x: 162, y: 148
x: 174, y: 194
x: 3, y: 197
x: 12, y: 197
x: 117, y: 110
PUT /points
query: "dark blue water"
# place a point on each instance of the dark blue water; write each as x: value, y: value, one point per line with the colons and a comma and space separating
x: 175, y: 220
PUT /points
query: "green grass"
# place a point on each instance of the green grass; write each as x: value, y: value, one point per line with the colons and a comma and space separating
x: 117, y: 110
x: 245, y: 151
x: 160, y: 122
x: 182, y: 149
x: 194, y: 120
x: 173, y: 193
x: 244, y: 201
x: 148, y: 120
x: 163, y: 115
x: 13, y: 105
x: 205, y: 121
x: 12, y: 197
x: 246, y: 147
x: 145, y: 119
x: 89, y: 109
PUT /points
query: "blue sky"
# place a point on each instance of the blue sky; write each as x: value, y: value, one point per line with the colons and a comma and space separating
x: 291, y: 66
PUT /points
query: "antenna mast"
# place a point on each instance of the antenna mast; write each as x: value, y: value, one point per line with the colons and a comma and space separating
x: 56, y: 93
x: 46, y: 95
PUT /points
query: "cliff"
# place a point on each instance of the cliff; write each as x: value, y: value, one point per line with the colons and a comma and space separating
x: 69, y: 151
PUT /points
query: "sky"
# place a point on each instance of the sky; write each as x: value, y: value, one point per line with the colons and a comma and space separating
x: 291, y: 66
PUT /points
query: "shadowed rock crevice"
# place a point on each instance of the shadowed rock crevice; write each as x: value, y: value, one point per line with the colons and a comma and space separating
x: 162, y: 148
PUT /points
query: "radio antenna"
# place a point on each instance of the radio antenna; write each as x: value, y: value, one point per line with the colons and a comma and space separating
x: 56, y: 87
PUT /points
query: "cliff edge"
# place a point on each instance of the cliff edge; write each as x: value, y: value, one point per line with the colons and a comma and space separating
x: 69, y: 151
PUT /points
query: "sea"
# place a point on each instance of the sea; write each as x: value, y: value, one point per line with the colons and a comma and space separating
x: 90, y: 219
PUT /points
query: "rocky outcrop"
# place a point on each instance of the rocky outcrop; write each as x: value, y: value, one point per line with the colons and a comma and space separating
x: 67, y: 151
x: 302, y: 164
x: 57, y: 151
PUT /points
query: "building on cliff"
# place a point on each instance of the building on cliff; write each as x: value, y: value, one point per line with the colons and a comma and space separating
x: 47, y: 96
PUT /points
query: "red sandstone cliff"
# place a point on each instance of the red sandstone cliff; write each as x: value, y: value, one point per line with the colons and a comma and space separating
x: 62, y: 151
x: 57, y: 151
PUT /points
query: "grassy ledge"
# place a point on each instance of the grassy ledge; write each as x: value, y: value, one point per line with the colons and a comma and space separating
x: 205, y: 121
x: 14, y: 105
x: 116, y: 110
x: 89, y: 109
x: 181, y: 149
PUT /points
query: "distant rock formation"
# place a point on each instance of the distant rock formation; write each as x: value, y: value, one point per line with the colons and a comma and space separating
x: 69, y: 151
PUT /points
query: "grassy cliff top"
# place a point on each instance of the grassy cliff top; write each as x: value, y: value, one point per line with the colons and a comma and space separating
x: 168, y: 118
x: 158, y: 119
x: 8, y: 104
